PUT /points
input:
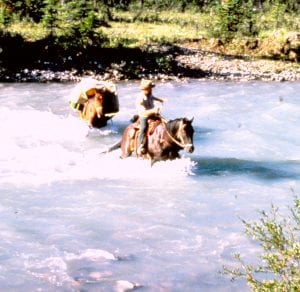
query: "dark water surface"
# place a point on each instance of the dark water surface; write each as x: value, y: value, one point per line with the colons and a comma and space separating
x: 75, y: 220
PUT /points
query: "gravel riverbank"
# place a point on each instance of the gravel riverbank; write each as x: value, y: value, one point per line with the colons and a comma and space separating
x: 164, y: 63
x: 243, y: 69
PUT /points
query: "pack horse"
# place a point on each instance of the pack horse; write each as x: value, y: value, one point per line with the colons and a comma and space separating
x: 164, y: 139
x: 95, y: 101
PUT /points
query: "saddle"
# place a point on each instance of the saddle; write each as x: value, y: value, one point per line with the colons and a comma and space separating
x: 153, y: 122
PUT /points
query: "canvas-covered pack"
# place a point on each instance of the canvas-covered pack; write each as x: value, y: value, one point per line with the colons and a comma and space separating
x: 86, y: 89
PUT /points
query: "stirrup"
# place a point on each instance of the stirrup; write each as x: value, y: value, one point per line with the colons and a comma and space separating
x: 141, y: 150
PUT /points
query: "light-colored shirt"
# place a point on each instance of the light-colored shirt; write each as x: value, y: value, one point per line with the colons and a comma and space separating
x: 144, y: 103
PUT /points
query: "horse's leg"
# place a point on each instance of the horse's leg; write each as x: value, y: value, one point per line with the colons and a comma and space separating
x: 127, y: 142
x: 125, y: 147
x: 92, y: 116
x: 154, y: 159
x: 164, y: 155
x: 87, y: 113
x: 173, y: 155
x: 157, y: 156
x: 82, y: 114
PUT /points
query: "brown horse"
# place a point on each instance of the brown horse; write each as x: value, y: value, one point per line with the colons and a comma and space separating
x: 164, y: 139
x: 93, y: 112
x: 99, y: 109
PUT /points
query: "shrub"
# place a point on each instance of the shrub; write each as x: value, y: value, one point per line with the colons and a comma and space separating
x: 279, y: 238
x: 234, y: 17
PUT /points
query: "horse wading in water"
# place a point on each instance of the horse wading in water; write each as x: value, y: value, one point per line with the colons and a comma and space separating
x: 96, y: 102
x: 164, y: 139
x: 93, y: 112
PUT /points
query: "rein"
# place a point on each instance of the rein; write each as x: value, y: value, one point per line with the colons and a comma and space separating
x: 174, y: 140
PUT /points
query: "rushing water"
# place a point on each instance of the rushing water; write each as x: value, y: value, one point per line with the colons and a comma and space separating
x: 75, y: 220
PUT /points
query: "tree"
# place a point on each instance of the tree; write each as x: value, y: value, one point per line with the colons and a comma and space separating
x: 50, y: 19
x: 234, y: 16
x: 26, y: 8
x: 78, y: 21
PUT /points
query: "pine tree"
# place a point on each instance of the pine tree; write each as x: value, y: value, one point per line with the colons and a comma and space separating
x: 77, y: 19
x: 50, y: 16
x: 234, y: 16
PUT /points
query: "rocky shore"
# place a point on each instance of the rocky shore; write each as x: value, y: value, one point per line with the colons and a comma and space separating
x: 222, y: 67
x: 170, y: 62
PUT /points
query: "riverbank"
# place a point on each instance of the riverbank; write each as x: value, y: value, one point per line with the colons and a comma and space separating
x: 220, y: 66
x: 43, y: 62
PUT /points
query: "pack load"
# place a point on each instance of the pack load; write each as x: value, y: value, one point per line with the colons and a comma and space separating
x: 86, y: 89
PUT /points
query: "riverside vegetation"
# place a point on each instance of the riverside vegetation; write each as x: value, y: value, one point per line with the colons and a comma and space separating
x: 279, y: 238
x: 56, y: 40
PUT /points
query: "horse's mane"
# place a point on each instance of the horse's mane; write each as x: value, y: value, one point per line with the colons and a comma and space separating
x: 172, y: 125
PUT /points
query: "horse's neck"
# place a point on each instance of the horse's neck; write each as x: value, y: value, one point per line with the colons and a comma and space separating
x: 95, y: 101
x: 172, y: 127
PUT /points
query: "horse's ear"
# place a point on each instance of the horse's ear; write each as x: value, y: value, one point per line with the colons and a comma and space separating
x: 191, y: 120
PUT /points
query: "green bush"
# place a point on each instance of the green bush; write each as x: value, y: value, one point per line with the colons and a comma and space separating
x: 279, y: 238
x: 234, y: 17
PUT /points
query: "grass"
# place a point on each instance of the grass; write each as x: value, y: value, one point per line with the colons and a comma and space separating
x: 134, y: 29
x: 28, y: 30
x: 139, y: 34
x: 140, y: 28
x: 150, y: 27
x: 175, y: 17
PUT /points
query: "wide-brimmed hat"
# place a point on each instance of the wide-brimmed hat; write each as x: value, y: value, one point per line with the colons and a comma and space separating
x: 147, y: 84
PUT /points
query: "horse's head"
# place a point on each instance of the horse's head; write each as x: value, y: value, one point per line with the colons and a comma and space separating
x: 185, y: 134
x: 98, y: 103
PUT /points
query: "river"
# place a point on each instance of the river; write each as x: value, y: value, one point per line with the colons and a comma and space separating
x: 73, y: 219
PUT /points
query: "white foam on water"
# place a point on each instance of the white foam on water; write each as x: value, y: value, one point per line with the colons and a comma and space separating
x: 92, y: 255
x: 53, y: 271
x: 57, y: 270
x: 45, y: 148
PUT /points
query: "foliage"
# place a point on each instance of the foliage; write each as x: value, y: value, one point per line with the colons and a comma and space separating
x: 279, y: 238
x: 290, y: 5
x: 4, y: 17
x: 129, y: 23
x: 234, y: 16
x: 24, y: 8
x: 277, y: 15
x: 50, y: 19
x: 77, y: 21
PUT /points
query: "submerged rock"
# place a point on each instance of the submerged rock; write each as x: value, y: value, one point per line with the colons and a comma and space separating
x: 123, y: 285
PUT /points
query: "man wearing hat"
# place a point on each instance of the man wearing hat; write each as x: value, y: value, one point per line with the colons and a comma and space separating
x: 146, y: 108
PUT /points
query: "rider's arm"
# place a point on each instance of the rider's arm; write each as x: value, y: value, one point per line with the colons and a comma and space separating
x: 162, y: 100
x: 145, y: 112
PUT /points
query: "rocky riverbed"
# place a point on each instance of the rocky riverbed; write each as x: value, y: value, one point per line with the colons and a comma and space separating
x: 236, y: 68
x: 170, y: 62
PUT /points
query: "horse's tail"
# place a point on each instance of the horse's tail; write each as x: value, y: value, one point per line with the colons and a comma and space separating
x: 111, y: 148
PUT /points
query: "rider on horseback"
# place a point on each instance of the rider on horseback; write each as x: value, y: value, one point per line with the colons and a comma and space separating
x: 146, y: 109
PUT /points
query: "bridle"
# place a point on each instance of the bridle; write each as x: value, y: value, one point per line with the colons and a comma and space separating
x: 177, y: 142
